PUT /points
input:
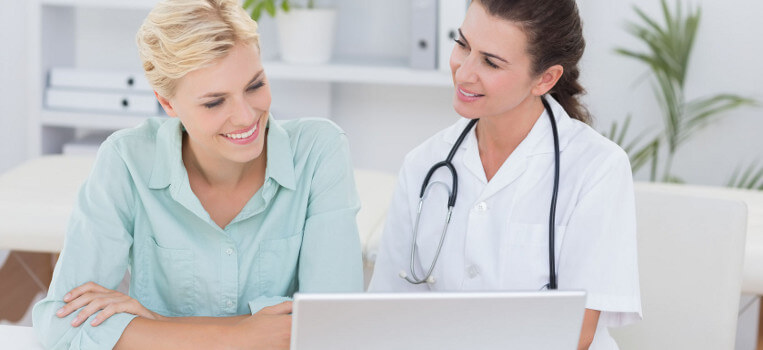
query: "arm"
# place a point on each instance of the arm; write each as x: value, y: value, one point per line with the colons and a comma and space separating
x: 96, y: 248
x: 330, y: 257
x: 590, y: 320
x: 268, y: 329
x: 599, y: 249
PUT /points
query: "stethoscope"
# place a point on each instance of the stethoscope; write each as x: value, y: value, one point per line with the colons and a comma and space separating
x: 447, y: 163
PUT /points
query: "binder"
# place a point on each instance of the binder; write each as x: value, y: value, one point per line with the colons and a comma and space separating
x: 423, y: 34
x: 451, y: 15
x: 98, y: 79
x: 97, y: 101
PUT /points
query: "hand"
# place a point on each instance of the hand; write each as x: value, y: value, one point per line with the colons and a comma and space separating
x: 92, y: 298
x: 270, y: 328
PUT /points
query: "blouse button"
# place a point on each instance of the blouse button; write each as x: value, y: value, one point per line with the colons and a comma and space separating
x: 482, y: 206
x: 473, y: 271
x: 229, y: 251
x: 230, y: 303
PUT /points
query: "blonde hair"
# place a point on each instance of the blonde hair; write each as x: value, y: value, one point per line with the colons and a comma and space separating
x: 180, y: 36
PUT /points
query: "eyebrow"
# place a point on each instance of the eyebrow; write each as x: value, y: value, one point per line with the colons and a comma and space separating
x: 482, y: 52
x: 220, y: 94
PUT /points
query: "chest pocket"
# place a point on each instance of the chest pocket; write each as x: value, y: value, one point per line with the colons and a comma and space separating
x: 277, y: 264
x: 168, y: 288
x: 524, y: 255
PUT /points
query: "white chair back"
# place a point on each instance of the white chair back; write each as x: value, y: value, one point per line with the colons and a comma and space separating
x: 691, y: 251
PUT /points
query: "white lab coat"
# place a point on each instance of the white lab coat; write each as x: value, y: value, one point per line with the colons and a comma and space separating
x: 498, y: 234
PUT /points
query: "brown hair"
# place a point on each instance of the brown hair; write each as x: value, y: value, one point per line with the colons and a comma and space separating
x: 554, y: 36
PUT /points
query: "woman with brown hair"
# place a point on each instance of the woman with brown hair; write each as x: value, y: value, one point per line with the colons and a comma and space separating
x: 523, y: 146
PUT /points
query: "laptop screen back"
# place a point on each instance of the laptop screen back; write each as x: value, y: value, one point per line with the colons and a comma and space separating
x: 496, y: 320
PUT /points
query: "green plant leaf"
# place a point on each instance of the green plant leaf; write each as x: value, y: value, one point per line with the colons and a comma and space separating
x: 750, y: 177
x: 257, y: 11
x: 701, y: 112
x: 248, y: 3
x: 285, y: 6
x: 270, y: 8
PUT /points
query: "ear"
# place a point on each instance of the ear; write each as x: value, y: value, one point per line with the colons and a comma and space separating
x: 166, y: 105
x: 547, y: 80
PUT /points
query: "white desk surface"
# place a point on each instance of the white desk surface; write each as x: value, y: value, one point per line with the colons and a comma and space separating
x: 18, y: 338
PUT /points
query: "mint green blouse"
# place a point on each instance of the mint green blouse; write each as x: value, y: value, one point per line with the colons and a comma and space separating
x: 136, y: 211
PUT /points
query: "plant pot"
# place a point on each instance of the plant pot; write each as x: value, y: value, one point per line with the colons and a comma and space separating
x: 306, y: 35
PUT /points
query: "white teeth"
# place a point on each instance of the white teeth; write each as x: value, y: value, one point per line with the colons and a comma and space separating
x: 243, y: 135
x: 468, y: 94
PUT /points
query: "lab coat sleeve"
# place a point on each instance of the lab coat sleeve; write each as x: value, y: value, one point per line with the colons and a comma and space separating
x: 395, y: 247
x: 599, y: 248
x: 96, y: 248
x: 330, y: 256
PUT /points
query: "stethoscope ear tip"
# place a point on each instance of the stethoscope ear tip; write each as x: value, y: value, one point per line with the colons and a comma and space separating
x: 402, y: 274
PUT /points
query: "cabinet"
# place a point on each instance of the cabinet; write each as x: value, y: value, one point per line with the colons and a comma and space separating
x: 371, y: 48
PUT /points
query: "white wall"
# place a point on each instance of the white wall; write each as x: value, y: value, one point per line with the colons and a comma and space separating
x: 725, y: 59
x: 13, y: 125
x: 383, y: 122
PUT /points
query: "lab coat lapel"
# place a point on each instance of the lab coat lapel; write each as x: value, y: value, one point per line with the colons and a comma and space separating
x: 511, y: 169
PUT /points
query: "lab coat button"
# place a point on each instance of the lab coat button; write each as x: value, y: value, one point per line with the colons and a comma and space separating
x: 229, y: 251
x: 482, y: 206
x: 230, y: 303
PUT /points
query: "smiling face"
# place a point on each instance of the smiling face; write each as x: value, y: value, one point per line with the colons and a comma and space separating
x: 491, y: 69
x: 224, y: 107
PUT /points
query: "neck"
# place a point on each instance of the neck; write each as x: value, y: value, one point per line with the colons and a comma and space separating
x: 498, y: 136
x: 503, y: 133
x: 219, y: 172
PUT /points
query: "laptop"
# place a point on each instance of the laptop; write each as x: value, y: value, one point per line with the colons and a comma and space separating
x: 459, y: 320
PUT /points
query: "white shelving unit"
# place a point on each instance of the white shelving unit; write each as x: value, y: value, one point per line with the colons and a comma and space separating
x: 55, y: 34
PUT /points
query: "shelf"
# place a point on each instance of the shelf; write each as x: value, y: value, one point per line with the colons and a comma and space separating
x: 391, y: 72
x: 119, y: 4
x: 90, y: 120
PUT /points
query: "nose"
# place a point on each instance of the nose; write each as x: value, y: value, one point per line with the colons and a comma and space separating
x: 243, y: 114
x: 465, y: 69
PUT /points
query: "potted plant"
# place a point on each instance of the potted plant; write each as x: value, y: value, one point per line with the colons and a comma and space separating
x: 668, y: 49
x: 305, y: 33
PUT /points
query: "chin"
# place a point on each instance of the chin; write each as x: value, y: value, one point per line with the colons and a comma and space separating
x: 464, y: 111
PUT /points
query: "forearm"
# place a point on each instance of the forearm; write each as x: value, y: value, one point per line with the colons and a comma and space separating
x: 590, y: 321
x: 183, y: 333
x: 219, y: 321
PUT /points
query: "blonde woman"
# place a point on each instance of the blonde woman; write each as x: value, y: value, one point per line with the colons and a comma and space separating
x: 220, y: 212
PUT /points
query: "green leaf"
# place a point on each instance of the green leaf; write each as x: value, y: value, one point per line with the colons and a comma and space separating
x: 248, y: 4
x: 270, y: 7
x: 703, y: 111
x: 285, y: 6
x: 675, y: 180
x: 257, y: 11
x: 750, y: 177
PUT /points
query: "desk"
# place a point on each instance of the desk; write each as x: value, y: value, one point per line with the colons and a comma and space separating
x: 19, y: 338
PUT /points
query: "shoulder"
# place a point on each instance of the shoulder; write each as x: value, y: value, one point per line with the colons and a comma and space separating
x: 591, y: 159
x: 436, y: 146
x: 310, y: 132
x: 588, y: 146
x: 140, y: 136
x: 136, y: 148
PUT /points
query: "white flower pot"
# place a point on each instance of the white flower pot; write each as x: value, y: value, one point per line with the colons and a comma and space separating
x: 306, y: 35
